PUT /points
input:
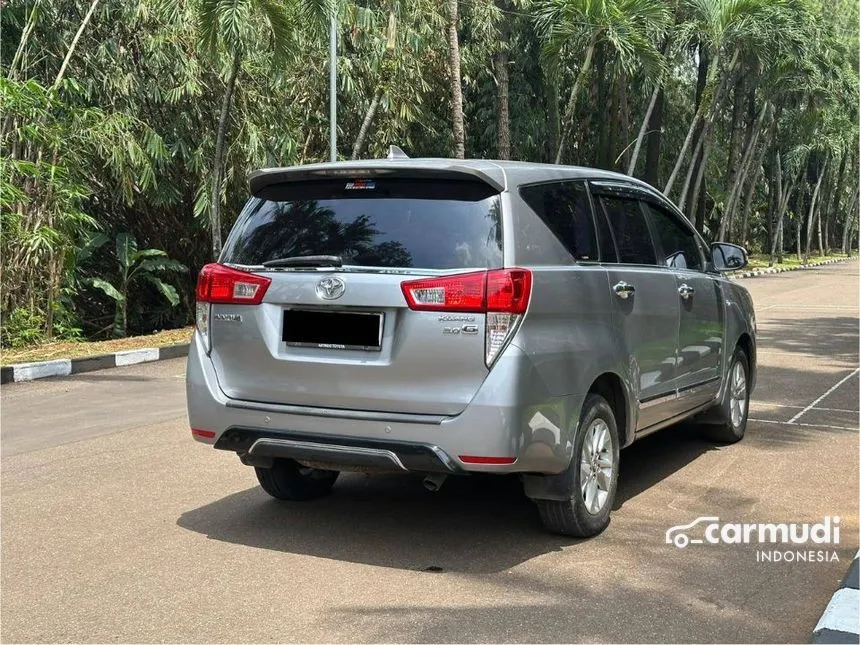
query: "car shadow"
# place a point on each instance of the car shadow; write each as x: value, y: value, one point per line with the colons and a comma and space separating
x: 474, y: 524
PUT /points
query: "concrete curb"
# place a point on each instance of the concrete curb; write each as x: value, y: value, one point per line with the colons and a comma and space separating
x: 66, y: 366
x: 840, y: 622
x: 760, y: 272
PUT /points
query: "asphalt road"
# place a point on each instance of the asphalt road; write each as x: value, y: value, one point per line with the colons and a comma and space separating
x: 116, y: 526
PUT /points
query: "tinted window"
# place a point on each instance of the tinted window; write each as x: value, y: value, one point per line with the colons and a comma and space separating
x: 627, y: 220
x: 565, y: 210
x: 385, y: 223
x: 680, y: 250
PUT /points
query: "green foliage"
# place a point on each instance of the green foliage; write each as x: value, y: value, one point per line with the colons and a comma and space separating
x: 135, y: 266
x: 121, y: 145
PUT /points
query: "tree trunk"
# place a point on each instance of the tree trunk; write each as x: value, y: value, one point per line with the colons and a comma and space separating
x: 698, y: 209
x: 220, y: 150
x: 832, y: 209
x: 655, y: 138
x: 700, y: 111
x: 643, y: 130
x: 812, y: 204
x: 504, y: 141
x: 365, y: 125
x: 801, y: 198
x: 456, y: 82
x: 554, y: 119
x: 748, y: 203
x: 849, y: 223
x: 567, y: 123
x: 740, y: 180
x: 693, y: 170
x: 624, y: 117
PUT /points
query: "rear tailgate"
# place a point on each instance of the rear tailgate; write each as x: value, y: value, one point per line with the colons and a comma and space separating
x: 345, y: 338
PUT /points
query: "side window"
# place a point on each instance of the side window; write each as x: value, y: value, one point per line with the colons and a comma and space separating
x: 679, y: 243
x: 627, y: 221
x: 564, y: 208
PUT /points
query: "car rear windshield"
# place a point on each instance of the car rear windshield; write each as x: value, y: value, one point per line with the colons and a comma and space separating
x: 423, y: 224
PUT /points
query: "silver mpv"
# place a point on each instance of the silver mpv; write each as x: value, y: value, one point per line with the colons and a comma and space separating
x: 447, y: 317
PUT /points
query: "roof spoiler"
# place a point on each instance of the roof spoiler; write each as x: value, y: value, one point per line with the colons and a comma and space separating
x: 260, y: 179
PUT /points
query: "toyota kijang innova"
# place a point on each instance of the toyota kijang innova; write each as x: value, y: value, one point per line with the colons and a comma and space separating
x: 447, y: 317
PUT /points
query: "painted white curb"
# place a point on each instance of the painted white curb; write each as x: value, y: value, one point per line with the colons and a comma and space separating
x: 134, y: 356
x: 42, y: 369
x: 842, y: 613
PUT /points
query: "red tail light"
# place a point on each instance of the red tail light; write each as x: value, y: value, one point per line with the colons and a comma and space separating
x: 499, y: 290
x: 221, y: 284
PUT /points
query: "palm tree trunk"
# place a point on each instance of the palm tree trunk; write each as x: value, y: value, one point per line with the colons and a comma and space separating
x: 651, y: 175
x: 740, y: 179
x: 833, y: 199
x: 74, y: 44
x: 849, y: 222
x: 700, y: 111
x: 554, y: 118
x: 812, y: 204
x: 365, y: 125
x: 748, y: 203
x: 643, y: 129
x: 698, y: 213
x: 567, y: 122
x: 458, y: 126
x: 220, y: 149
x: 504, y: 138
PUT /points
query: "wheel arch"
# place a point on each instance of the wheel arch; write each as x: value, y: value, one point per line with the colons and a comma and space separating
x: 611, y: 387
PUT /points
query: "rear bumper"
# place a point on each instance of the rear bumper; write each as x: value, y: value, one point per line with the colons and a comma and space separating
x: 512, y: 417
x: 258, y: 447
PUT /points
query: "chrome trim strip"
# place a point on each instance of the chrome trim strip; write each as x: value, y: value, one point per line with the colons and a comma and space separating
x: 324, y: 449
x: 336, y: 413
x: 659, y: 400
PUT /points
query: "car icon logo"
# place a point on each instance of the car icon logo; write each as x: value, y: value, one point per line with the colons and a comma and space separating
x: 677, y: 534
x: 330, y: 288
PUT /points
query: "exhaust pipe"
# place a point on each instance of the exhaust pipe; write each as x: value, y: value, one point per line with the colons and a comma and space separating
x: 434, y: 482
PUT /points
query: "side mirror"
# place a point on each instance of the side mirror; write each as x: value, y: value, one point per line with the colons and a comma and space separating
x: 728, y: 257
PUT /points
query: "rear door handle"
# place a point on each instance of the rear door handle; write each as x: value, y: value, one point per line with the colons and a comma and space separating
x: 624, y: 290
x: 686, y: 291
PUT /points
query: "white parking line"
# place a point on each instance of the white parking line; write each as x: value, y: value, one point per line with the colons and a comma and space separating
x: 798, y: 407
x: 822, y: 397
x: 803, y: 425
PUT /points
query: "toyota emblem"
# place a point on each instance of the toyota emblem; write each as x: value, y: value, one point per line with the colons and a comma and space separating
x: 330, y: 288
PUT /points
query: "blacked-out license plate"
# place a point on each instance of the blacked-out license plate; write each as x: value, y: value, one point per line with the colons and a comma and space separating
x: 333, y: 330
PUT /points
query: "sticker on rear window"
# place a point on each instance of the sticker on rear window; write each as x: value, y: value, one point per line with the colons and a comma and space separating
x: 360, y: 184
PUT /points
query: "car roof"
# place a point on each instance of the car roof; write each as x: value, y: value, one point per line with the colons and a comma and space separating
x: 502, y: 174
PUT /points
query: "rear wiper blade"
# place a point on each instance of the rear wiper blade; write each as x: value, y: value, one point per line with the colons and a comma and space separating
x: 306, y: 261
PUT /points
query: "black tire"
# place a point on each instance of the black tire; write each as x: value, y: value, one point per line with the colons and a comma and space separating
x: 289, y: 480
x: 720, y: 427
x: 571, y: 517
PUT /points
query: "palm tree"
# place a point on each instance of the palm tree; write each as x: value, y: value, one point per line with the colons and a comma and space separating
x: 719, y: 27
x: 628, y: 27
x: 234, y: 27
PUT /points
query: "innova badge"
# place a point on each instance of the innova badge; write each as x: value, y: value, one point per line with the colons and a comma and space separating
x: 330, y: 288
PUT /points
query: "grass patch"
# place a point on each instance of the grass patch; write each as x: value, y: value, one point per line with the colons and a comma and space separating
x: 789, y: 261
x: 52, y: 351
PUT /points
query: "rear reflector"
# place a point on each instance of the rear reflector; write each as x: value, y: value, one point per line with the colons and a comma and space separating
x: 204, y: 434
x: 221, y: 284
x: 499, y: 290
x: 466, y: 459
